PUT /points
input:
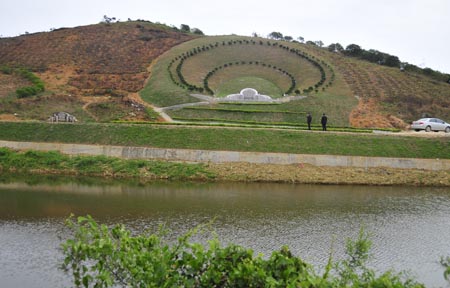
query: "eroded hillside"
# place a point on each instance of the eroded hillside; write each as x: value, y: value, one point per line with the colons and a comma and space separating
x: 389, y: 97
x: 96, y: 60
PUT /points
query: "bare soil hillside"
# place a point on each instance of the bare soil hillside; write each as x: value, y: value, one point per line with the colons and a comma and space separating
x: 96, y: 60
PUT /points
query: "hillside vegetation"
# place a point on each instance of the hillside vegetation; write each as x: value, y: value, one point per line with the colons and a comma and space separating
x: 121, y: 71
x: 83, y: 65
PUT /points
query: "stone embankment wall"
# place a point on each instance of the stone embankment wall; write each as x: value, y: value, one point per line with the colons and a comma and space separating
x: 187, y: 155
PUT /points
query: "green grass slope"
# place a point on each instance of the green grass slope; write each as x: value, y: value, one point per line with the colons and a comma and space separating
x: 231, y: 139
x: 352, y: 92
x: 246, y: 58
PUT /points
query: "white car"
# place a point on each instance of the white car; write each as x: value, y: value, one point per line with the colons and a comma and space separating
x: 430, y: 124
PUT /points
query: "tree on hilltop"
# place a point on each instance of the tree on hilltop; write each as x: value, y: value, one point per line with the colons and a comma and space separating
x: 392, y: 61
x: 276, y: 35
x: 108, y: 20
x: 335, y: 47
x: 353, y: 50
x: 319, y: 43
x: 185, y: 28
x: 197, y: 31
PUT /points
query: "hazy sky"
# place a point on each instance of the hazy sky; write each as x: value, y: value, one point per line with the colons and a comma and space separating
x: 417, y: 31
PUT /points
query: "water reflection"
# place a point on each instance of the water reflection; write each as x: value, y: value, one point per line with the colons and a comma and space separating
x: 409, y: 225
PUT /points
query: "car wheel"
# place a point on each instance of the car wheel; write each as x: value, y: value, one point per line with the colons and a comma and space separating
x: 447, y: 130
x: 428, y: 129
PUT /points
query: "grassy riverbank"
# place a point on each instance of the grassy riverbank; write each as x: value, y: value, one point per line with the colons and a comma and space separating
x: 231, y: 139
x: 52, y: 162
x: 55, y: 163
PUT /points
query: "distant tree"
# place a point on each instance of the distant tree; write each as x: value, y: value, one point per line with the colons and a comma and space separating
x: 301, y: 39
x: 254, y: 34
x: 427, y: 71
x: 288, y: 38
x: 197, y: 31
x: 108, y: 20
x: 373, y: 56
x: 335, y: 47
x: 319, y: 43
x: 392, y: 61
x: 185, y: 28
x: 311, y: 43
x: 353, y: 50
x: 276, y: 35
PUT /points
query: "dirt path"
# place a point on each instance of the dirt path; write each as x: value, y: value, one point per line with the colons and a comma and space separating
x: 92, y: 100
x: 137, y: 98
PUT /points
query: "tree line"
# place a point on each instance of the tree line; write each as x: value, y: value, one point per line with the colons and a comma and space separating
x: 371, y: 55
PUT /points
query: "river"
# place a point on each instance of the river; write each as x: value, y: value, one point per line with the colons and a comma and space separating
x: 410, y: 226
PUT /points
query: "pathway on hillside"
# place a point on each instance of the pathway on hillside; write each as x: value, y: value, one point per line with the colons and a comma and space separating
x: 137, y: 98
x: 89, y: 101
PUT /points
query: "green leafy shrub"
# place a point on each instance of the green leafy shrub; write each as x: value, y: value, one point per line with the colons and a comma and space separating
x: 99, y: 256
x: 6, y: 70
x: 38, y: 84
x: 26, y: 91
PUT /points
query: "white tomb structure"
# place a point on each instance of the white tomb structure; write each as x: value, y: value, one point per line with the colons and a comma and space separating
x: 249, y: 94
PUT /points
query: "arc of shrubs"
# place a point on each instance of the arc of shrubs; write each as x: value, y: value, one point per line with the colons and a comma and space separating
x: 227, y: 65
x: 184, y: 84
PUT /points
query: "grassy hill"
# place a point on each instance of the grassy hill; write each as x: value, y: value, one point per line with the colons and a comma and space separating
x: 119, y: 71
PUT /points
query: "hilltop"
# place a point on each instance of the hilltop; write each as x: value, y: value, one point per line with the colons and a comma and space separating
x: 121, y: 71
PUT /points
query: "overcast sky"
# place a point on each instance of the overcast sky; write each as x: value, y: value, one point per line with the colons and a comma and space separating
x: 417, y: 31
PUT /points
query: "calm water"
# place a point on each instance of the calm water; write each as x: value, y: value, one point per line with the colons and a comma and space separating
x: 410, y: 226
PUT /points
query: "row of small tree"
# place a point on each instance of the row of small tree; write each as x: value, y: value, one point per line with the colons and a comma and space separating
x: 310, y: 58
x: 230, y: 64
x: 371, y: 55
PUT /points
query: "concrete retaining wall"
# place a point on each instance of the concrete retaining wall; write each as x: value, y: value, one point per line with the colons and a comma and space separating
x: 231, y: 156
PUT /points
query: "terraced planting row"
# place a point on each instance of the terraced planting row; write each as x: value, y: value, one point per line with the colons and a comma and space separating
x: 193, y: 69
x: 165, y: 89
x: 405, y: 95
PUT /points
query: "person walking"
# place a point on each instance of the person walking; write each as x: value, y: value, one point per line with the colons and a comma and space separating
x: 324, y: 121
x: 309, y: 120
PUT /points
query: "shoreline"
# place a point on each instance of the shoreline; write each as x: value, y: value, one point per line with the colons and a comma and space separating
x: 321, y: 175
x: 271, y: 173
x: 111, y: 162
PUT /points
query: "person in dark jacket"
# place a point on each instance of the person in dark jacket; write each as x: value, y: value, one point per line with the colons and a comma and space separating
x: 324, y: 121
x: 309, y: 120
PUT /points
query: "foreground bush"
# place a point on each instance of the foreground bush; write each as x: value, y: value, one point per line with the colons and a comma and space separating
x: 99, y: 256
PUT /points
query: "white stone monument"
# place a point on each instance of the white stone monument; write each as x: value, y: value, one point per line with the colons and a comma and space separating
x: 249, y: 94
